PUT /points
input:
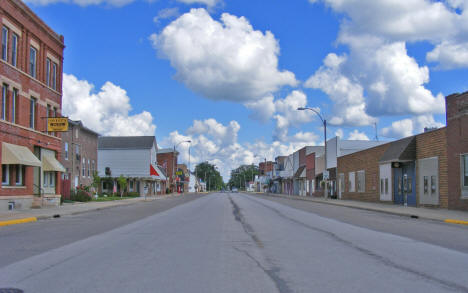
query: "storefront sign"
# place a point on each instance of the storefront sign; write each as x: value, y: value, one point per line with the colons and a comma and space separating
x: 57, y: 124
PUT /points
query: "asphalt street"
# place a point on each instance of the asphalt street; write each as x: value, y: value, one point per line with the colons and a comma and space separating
x: 240, y: 243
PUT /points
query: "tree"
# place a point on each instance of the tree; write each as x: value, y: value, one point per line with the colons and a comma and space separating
x: 122, y: 181
x: 208, y: 173
x: 96, y: 181
x: 241, y: 175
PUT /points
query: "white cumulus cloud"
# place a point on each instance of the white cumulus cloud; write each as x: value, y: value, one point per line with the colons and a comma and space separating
x: 106, y: 111
x: 410, y: 126
x: 356, y: 135
x: 222, y: 60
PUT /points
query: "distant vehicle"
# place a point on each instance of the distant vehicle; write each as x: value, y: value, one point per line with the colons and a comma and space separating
x: 234, y: 190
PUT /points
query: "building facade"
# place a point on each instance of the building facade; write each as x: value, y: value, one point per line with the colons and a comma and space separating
x: 31, y: 82
x: 133, y: 157
x: 457, y: 150
x: 167, y: 160
x: 411, y: 171
x: 79, y: 155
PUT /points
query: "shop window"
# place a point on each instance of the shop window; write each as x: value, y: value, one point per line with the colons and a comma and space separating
x: 382, y: 186
x: 351, y: 181
x: 433, y: 184
x: 464, y: 171
x: 19, y: 175
x: 361, y: 181
x: 386, y: 185
x: 409, y: 184
x: 5, y: 174
x: 49, y: 179
x: 426, y: 184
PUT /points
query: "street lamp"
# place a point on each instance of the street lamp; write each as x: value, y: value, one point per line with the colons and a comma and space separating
x: 173, y: 159
x: 324, y: 121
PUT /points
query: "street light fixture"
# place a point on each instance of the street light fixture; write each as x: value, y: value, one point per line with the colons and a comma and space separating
x: 173, y: 159
x: 324, y: 122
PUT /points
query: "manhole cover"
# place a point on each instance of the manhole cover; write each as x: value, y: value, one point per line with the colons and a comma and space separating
x: 11, y: 290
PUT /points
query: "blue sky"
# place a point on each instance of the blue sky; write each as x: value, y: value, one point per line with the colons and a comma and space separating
x: 229, y: 74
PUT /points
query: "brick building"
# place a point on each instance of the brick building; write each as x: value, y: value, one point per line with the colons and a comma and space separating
x: 79, y: 155
x: 411, y: 171
x: 167, y: 160
x: 31, y: 60
x: 265, y: 167
x: 457, y: 150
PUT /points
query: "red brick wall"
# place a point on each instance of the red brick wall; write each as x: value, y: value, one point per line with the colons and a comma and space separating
x: 35, y: 30
x: 367, y: 160
x: 167, y: 159
x: 434, y: 144
x: 87, y: 142
x: 310, y: 166
x: 457, y: 144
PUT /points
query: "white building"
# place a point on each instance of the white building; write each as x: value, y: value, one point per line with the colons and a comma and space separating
x: 134, y: 157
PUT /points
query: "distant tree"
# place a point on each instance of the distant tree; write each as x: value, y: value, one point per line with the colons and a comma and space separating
x: 241, y: 175
x: 122, y: 181
x: 210, y: 175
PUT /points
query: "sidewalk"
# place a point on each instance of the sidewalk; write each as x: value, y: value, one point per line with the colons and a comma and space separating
x: 449, y: 216
x: 31, y: 215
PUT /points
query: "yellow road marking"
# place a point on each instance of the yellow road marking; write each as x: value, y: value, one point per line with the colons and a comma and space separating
x: 452, y: 221
x: 18, y: 221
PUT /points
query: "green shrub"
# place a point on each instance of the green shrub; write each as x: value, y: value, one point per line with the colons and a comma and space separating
x: 167, y: 190
x: 132, y: 194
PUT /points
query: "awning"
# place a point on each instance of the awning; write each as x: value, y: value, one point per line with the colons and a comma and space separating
x: 18, y: 155
x: 403, y: 150
x: 156, y: 173
x: 50, y: 163
x: 299, y: 172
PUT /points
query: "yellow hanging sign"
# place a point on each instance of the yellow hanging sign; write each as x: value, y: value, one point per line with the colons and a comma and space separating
x: 57, y: 124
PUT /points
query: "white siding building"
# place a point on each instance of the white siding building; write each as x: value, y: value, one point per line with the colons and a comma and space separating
x: 134, y: 157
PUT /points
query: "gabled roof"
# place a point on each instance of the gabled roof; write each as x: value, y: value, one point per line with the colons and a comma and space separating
x: 81, y: 125
x: 125, y: 142
x: 402, y: 150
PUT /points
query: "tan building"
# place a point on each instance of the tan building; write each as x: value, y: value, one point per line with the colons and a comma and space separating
x: 79, y: 155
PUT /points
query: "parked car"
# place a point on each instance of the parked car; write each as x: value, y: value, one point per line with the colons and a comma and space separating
x: 234, y: 190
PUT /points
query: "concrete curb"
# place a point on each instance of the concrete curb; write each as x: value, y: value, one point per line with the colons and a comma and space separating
x: 18, y: 221
x: 396, y: 213
x: 58, y: 214
x: 459, y: 222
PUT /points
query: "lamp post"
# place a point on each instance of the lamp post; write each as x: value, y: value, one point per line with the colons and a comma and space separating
x: 324, y: 122
x: 173, y: 159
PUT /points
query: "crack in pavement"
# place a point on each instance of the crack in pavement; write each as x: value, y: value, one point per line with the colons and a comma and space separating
x: 369, y: 253
x: 272, y: 273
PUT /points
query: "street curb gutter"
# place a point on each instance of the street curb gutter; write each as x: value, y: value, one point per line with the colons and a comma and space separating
x: 459, y: 222
x: 18, y: 221
x: 451, y: 221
